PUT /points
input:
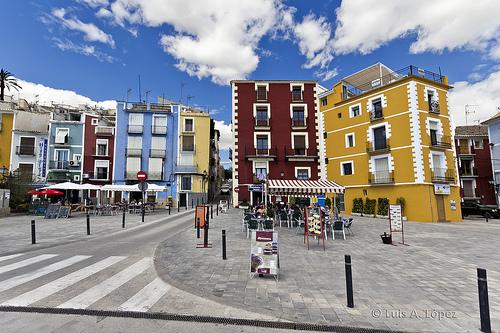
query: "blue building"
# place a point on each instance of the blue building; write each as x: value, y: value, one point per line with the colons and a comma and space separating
x: 146, y: 139
x: 493, y: 124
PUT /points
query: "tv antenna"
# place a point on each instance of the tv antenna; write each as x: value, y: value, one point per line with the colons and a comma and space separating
x: 147, y: 94
x: 469, y: 111
x: 182, y: 87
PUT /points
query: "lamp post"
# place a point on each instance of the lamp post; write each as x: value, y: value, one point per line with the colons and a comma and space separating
x: 204, y: 178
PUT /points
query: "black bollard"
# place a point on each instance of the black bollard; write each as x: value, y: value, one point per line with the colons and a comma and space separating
x: 192, y: 203
x: 484, y: 307
x: 348, y: 281
x: 187, y: 204
x: 198, y: 228
x: 487, y: 216
x: 223, y: 244
x: 123, y: 219
x: 178, y: 206
x: 217, y: 213
x: 212, y: 212
x: 169, y: 205
x: 88, y: 224
x: 33, y: 237
x: 142, y: 213
x: 205, y: 236
x: 207, y: 220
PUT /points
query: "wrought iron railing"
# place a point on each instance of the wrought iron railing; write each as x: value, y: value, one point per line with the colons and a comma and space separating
x: 24, y: 150
x: 441, y: 141
x: 134, y: 152
x: 442, y: 175
x: 377, y: 146
x: 156, y: 129
x: 381, y: 177
x: 135, y: 129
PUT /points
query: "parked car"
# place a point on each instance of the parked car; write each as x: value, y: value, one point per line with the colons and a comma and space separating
x: 472, y: 208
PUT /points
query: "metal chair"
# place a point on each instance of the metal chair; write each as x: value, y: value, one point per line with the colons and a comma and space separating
x: 347, y: 226
x: 253, y: 224
x: 244, y: 221
x: 338, y: 226
x: 268, y: 224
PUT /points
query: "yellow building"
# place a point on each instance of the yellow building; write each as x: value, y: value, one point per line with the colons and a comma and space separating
x: 387, y: 134
x: 6, y: 125
x: 194, y: 155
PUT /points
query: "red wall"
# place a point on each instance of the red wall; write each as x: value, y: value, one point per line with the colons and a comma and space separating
x: 279, y: 98
x: 482, y: 161
x: 90, y: 150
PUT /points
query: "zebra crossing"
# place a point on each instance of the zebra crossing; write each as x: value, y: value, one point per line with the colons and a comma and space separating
x: 80, y: 282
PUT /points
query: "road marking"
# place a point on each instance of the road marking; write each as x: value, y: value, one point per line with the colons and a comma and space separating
x: 97, y: 292
x: 50, y: 288
x: 12, y: 256
x: 26, y: 262
x: 19, y: 280
x: 146, y: 297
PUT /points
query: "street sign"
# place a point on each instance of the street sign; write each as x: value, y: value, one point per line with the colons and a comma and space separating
x: 143, y: 186
x: 255, y: 188
x: 236, y: 189
x: 142, y: 176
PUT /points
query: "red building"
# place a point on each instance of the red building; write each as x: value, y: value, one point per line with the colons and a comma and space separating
x: 474, y: 164
x: 275, y: 132
x: 98, y: 150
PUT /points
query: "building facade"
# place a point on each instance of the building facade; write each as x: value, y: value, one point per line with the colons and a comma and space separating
x: 215, y: 180
x: 474, y: 164
x: 494, y: 145
x: 146, y: 139
x: 193, y: 161
x: 6, y: 124
x: 387, y: 134
x: 275, y: 135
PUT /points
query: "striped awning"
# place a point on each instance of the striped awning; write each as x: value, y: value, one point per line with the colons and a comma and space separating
x: 303, y: 187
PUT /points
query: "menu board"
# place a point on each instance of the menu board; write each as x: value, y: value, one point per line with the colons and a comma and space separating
x: 201, y: 213
x: 395, y: 217
x: 52, y: 211
x: 264, y: 255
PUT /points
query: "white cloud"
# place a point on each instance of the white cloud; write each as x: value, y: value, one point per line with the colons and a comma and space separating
x: 87, y: 50
x: 226, y: 135
x: 438, y: 25
x: 325, y: 75
x: 95, y: 3
x: 484, y: 94
x: 91, y: 32
x: 313, y: 36
x: 47, y: 95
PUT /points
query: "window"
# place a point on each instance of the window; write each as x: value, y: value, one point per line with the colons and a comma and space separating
x: 262, y: 143
x: 302, y: 173
x: 298, y: 117
x: 354, y: 111
x: 466, y: 167
x: 101, y: 169
x: 377, y: 109
x: 134, y: 146
x: 299, y: 144
x: 438, y: 165
x: 133, y: 166
x: 26, y: 146
x: 25, y: 170
x: 346, y: 168
x: 102, y: 147
x: 379, y: 138
x: 261, y: 116
x: 430, y: 98
x: 77, y: 158
x: 296, y: 93
x: 478, y: 143
x: 135, y: 122
x: 349, y: 140
x: 94, y: 121
x: 61, y: 157
x: 324, y: 101
x: 158, y: 146
x: 62, y: 135
x: 186, y: 183
x: 433, y: 132
x: 159, y: 125
x: 155, y: 168
x: 261, y: 93
x: 260, y: 170
x: 188, y: 143
x: 188, y: 125
x: 381, y: 170
x: 339, y: 115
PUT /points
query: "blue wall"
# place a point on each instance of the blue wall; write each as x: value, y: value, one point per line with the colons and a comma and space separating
x: 75, y: 144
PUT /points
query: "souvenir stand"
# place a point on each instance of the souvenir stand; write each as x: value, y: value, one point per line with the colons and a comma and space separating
x: 314, y: 225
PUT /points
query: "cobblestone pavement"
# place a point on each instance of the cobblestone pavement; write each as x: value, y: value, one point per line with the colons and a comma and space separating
x: 429, y: 285
x: 15, y: 231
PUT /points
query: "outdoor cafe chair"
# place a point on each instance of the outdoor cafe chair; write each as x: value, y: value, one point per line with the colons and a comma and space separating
x: 283, y: 216
x: 299, y: 220
x: 244, y: 221
x: 268, y: 224
x: 347, y: 226
x: 338, y: 226
x: 253, y: 224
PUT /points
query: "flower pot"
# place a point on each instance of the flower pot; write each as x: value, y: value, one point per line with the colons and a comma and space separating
x: 386, y: 238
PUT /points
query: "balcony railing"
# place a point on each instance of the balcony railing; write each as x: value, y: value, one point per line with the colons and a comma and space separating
x: 155, y: 129
x: 470, y: 193
x: 98, y: 176
x: 25, y: 150
x: 298, y: 123
x: 131, y: 174
x: 187, y: 168
x: 441, y: 141
x: 63, y: 165
x: 441, y: 175
x: 291, y: 153
x: 134, y: 152
x: 104, y: 130
x: 157, y: 153
x: 381, y: 177
x: 155, y: 175
x: 260, y: 152
x: 434, y: 107
x: 468, y: 172
x: 376, y: 147
x: 261, y: 122
x: 376, y: 115
x: 135, y: 129
x: 466, y: 150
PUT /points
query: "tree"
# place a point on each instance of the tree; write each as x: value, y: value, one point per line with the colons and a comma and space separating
x: 7, y: 81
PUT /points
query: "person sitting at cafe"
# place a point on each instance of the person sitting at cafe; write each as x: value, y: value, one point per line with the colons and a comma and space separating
x: 260, y: 210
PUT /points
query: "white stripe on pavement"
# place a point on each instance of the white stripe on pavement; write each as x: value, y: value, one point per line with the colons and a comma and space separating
x: 26, y: 262
x: 12, y: 256
x: 97, y: 292
x: 19, y: 280
x: 146, y: 297
x: 50, y: 288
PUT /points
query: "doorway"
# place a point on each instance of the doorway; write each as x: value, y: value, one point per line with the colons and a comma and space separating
x: 440, y: 208
x: 256, y: 198
x: 182, y: 199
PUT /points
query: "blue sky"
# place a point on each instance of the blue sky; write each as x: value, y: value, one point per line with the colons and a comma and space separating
x: 95, y: 49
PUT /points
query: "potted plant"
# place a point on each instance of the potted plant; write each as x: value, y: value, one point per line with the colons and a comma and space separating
x: 386, y: 238
x: 369, y: 207
x: 383, y: 208
x: 402, y: 202
x: 357, y: 207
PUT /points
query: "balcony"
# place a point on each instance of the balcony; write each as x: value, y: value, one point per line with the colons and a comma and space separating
x: 67, y: 141
x: 96, y: 176
x: 135, y: 129
x: 468, y: 172
x: 441, y: 175
x: 260, y: 153
x: 441, y: 142
x: 157, y: 153
x: 155, y: 175
x: 263, y: 124
x: 159, y: 130
x: 434, y: 107
x: 381, y: 177
x: 63, y: 165
x: 466, y: 150
x: 25, y: 150
x: 134, y: 152
x: 301, y: 154
x: 187, y: 168
x: 470, y: 193
x: 131, y: 175
x: 378, y: 147
x: 376, y: 115
x: 299, y: 124
x: 104, y: 131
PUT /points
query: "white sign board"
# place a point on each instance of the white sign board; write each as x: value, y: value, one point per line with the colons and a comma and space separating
x: 396, y: 218
x: 442, y: 189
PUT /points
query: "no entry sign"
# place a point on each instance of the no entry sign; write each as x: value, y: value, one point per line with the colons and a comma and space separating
x: 142, y: 176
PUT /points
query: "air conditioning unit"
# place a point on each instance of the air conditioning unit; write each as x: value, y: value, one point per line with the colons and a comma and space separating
x: 74, y: 163
x: 76, y: 178
x: 86, y: 175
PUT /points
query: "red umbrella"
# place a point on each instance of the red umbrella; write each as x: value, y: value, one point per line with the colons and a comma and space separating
x: 50, y: 192
x: 34, y: 192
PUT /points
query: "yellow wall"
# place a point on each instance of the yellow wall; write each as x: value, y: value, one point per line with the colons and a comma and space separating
x: 397, y: 114
x: 7, y: 121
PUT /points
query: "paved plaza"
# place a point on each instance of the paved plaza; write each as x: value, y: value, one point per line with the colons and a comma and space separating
x: 429, y: 285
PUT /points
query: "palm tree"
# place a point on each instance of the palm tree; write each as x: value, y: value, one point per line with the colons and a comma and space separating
x: 7, y: 81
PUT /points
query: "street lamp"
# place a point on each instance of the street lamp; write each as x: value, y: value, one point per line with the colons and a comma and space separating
x: 282, y: 174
